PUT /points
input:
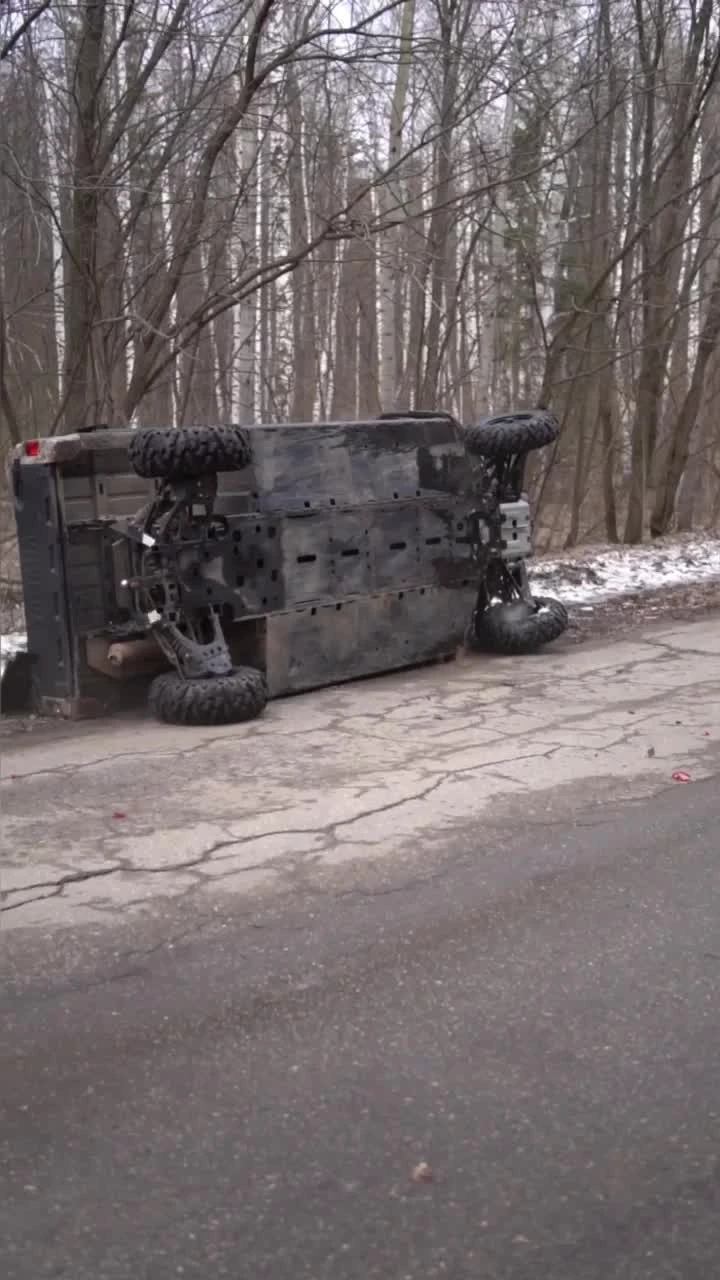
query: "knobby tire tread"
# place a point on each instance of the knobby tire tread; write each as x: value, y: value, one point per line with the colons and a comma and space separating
x: 210, y: 700
x: 499, y: 630
x: 505, y: 434
x: 187, y: 453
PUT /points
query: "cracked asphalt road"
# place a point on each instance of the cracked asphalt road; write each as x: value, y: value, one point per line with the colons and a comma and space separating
x: 463, y: 916
x: 100, y: 819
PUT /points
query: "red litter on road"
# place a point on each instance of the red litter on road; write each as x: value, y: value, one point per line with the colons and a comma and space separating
x: 681, y: 776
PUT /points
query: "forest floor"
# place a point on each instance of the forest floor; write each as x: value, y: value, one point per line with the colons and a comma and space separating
x: 610, y: 590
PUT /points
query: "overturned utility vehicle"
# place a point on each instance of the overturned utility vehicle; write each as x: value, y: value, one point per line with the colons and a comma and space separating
x: 232, y: 565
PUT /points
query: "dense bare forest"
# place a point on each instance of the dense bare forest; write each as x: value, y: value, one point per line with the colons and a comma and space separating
x: 230, y: 210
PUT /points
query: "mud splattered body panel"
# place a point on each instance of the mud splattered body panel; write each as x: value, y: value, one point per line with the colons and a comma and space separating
x: 346, y: 551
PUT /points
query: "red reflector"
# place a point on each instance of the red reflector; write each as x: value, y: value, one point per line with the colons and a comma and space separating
x: 32, y: 448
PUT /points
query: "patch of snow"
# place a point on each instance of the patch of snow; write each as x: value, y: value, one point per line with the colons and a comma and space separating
x: 592, y: 576
x: 10, y: 644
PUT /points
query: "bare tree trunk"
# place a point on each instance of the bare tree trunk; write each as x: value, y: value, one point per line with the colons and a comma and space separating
x: 452, y: 32
x: 302, y: 282
x: 355, y: 388
x: 693, y: 497
x: 57, y: 227
x: 490, y: 345
x: 345, y: 373
x: 82, y: 292
x: 664, y: 212
x: 391, y: 202
x: 244, y: 255
x: 416, y: 269
x: 679, y: 449
x: 8, y: 413
x: 609, y: 428
x: 267, y: 300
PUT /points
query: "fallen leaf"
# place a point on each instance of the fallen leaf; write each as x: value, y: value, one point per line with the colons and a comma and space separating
x: 651, y: 752
x: 681, y: 776
x: 422, y: 1172
x: 119, y: 814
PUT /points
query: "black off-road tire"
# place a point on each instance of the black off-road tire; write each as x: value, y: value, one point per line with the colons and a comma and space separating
x: 238, y: 696
x: 186, y: 453
x: 518, y: 628
x: 504, y: 434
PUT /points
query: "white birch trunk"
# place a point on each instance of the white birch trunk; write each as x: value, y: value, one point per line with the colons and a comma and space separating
x: 123, y: 188
x: 214, y: 380
x: 166, y: 215
x: 243, y: 255
x: 56, y: 240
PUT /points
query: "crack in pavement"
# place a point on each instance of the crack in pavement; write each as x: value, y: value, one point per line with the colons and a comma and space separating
x: 505, y: 736
x: 680, y: 652
x: 58, y: 886
x: 336, y: 723
x: 328, y: 833
x: 123, y: 867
